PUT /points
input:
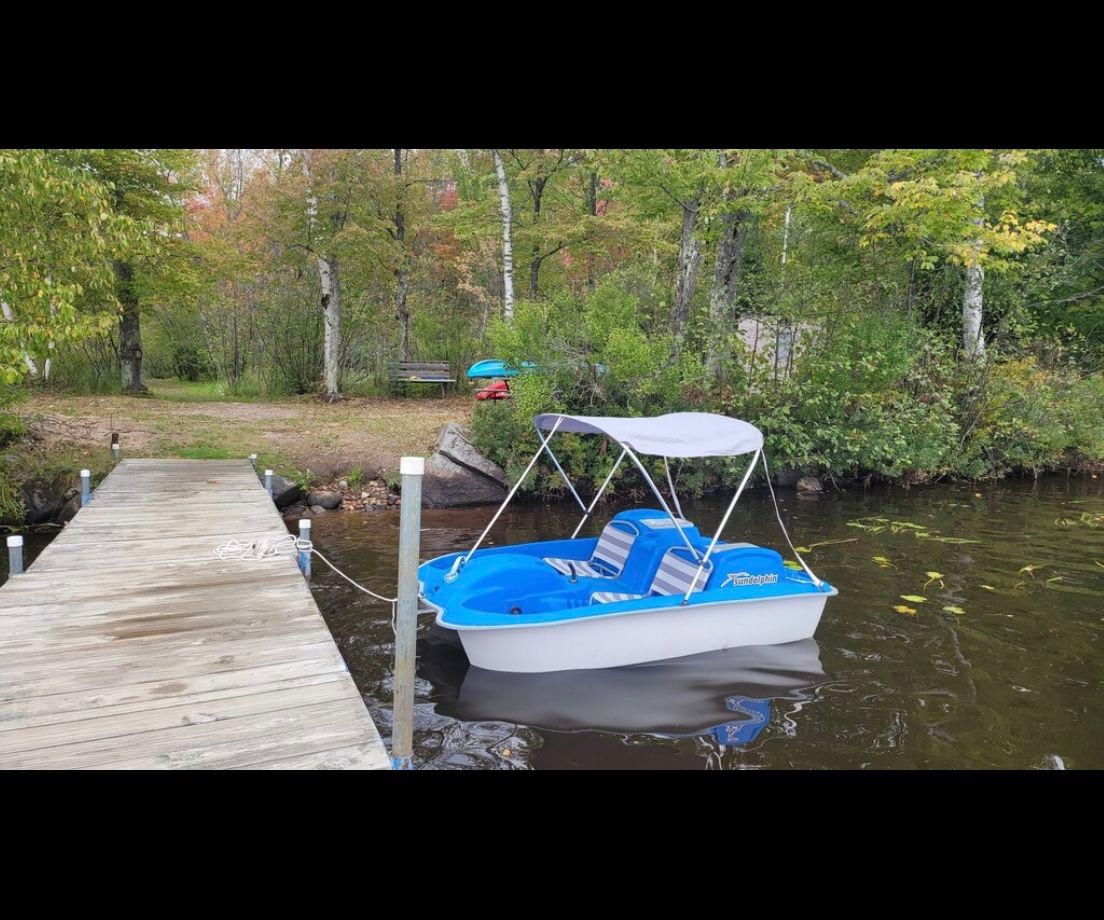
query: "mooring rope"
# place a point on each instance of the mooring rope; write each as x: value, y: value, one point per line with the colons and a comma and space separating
x: 778, y: 514
x: 267, y: 547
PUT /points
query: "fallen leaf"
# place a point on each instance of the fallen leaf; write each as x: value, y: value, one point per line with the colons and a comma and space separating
x: 901, y: 608
x: 987, y: 587
x: 791, y: 564
x: 914, y: 598
x: 1053, y: 579
x: 934, y: 576
x: 950, y: 608
x: 802, y: 549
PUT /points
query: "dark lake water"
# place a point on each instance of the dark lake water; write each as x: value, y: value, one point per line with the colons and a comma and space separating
x: 1011, y: 681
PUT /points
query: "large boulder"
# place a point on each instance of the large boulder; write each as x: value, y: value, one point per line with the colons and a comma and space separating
x: 447, y: 483
x: 324, y: 497
x: 454, y: 443
x: 41, y: 503
x: 285, y: 491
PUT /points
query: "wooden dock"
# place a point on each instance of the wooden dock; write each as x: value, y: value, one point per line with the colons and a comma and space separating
x: 128, y: 644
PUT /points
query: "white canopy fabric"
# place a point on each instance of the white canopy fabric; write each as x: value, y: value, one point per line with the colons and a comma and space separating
x: 677, y: 434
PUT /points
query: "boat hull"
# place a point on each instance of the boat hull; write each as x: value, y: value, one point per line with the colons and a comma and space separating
x: 650, y: 635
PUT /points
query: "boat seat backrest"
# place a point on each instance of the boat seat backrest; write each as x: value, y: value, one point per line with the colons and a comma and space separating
x: 676, y: 570
x: 615, y: 544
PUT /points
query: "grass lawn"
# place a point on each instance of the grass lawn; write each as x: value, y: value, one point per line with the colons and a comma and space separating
x: 300, y: 436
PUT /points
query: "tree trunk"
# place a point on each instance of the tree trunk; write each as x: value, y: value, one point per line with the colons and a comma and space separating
x: 400, y: 269
x: 722, y: 296
x: 592, y: 210
x: 686, y: 272
x: 507, y: 240
x: 130, y: 331
x: 972, y: 303
x: 331, y: 312
x: 536, y: 258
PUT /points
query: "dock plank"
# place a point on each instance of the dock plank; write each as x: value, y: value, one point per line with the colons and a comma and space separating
x: 129, y: 645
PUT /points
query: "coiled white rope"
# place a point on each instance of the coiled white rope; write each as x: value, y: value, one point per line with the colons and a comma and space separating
x: 267, y: 547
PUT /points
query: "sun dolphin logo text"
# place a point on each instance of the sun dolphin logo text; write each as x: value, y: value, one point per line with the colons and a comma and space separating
x: 741, y: 579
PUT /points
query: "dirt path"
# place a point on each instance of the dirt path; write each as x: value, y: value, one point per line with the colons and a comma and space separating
x: 302, y: 434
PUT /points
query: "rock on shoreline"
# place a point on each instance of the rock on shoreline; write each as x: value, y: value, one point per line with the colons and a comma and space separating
x: 458, y: 474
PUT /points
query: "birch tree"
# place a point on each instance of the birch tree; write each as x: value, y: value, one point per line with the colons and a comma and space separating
x: 507, y: 239
x: 960, y: 206
x: 327, y: 211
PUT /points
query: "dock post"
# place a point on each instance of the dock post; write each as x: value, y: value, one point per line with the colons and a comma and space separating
x: 15, y: 554
x: 116, y: 453
x: 406, y: 613
x: 86, y: 487
x: 304, y: 554
x: 253, y: 460
x: 268, y: 482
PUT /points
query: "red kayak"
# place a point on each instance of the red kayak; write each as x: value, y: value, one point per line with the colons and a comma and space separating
x: 498, y: 389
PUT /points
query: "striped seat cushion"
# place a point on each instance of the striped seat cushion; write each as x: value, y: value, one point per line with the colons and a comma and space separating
x: 676, y: 571
x: 610, y: 597
x: 608, y: 558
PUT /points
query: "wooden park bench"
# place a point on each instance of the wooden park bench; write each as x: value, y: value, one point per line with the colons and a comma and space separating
x: 438, y: 372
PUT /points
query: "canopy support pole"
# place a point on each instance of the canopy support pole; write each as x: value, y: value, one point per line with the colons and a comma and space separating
x: 724, y: 521
x: 662, y: 502
x: 671, y: 486
x: 598, y: 495
x: 454, y: 572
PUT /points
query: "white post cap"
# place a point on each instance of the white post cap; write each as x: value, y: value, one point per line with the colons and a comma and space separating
x: 16, y: 540
x: 85, y: 474
x: 304, y: 523
x: 252, y: 456
x: 268, y: 472
x: 412, y: 466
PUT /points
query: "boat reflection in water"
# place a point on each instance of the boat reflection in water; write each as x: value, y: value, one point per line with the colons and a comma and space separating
x: 727, y: 695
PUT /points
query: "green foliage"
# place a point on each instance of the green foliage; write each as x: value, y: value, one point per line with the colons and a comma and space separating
x: 11, y: 501
x: 12, y: 427
x: 867, y: 398
x: 1032, y: 417
x: 355, y: 478
x: 58, y: 232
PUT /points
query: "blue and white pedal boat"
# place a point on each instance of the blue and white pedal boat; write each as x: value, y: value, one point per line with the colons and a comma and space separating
x: 650, y: 587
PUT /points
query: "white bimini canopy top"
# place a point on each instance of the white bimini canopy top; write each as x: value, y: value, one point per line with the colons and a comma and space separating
x: 677, y: 434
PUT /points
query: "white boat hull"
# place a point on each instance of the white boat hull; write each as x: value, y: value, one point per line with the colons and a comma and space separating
x: 636, y: 638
